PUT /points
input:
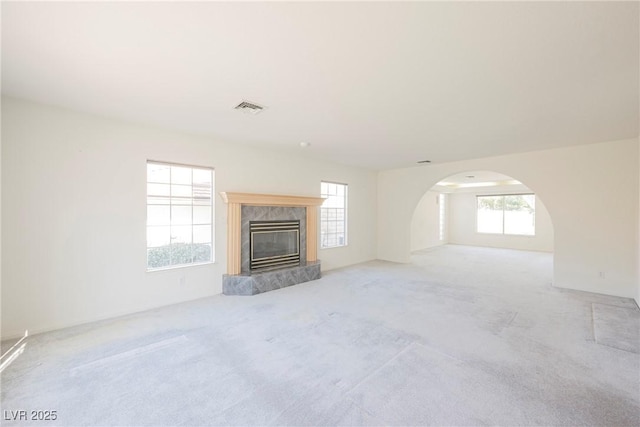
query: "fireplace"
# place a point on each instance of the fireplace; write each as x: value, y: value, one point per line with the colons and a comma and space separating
x: 271, y: 242
x: 274, y: 244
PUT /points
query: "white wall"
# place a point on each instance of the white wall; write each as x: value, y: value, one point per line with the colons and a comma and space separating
x: 463, y: 217
x: 74, y: 212
x: 590, y: 191
x: 1, y: 239
x: 425, y: 223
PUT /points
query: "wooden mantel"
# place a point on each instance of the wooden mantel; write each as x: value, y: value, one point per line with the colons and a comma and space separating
x: 234, y: 203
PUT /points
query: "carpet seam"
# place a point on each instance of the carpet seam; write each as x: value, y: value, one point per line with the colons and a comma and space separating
x: 379, y: 367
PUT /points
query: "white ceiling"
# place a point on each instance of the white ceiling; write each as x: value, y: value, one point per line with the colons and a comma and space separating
x: 475, y: 177
x: 473, y: 181
x: 378, y: 85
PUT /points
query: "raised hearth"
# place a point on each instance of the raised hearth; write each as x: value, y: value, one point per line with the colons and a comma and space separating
x: 257, y: 283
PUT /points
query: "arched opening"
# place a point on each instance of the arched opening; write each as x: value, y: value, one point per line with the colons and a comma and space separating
x: 483, y: 209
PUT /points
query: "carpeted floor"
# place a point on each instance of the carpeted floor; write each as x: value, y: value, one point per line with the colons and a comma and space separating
x: 462, y: 336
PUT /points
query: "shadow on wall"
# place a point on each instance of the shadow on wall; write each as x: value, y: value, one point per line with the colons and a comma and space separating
x: 482, y: 208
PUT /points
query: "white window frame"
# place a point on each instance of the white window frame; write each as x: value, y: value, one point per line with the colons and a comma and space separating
x: 169, y: 201
x: 503, y: 233
x: 442, y: 211
x: 324, y: 215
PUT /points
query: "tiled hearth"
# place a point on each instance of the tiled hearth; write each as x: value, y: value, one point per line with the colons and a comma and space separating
x: 257, y: 283
x: 243, y: 208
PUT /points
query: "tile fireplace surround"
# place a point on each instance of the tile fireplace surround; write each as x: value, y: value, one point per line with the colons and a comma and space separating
x: 245, y: 207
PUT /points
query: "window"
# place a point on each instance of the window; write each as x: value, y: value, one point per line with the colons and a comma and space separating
x: 179, y: 215
x: 333, y: 215
x: 507, y: 214
x: 442, y: 200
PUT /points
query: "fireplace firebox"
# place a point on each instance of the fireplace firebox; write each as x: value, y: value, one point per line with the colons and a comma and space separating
x: 274, y: 244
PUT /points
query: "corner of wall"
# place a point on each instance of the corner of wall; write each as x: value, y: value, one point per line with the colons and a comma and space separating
x: 637, y: 297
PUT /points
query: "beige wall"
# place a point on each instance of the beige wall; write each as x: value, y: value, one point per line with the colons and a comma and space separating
x: 74, y: 212
x: 425, y: 223
x: 590, y: 191
x: 463, y: 218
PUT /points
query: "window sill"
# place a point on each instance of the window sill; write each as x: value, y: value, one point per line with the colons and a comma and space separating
x: 505, y: 235
x: 333, y: 247
x: 177, y: 267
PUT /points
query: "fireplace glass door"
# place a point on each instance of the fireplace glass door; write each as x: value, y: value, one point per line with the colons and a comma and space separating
x: 274, y: 244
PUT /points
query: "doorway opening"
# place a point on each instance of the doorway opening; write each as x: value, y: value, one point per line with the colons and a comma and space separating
x: 482, y: 208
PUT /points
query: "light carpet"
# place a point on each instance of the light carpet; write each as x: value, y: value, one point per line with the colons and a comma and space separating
x: 461, y: 336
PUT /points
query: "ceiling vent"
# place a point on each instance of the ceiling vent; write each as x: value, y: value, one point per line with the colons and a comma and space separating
x: 249, y: 107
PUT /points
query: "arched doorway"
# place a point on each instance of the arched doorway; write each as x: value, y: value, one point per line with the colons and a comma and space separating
x: 482, y: 208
